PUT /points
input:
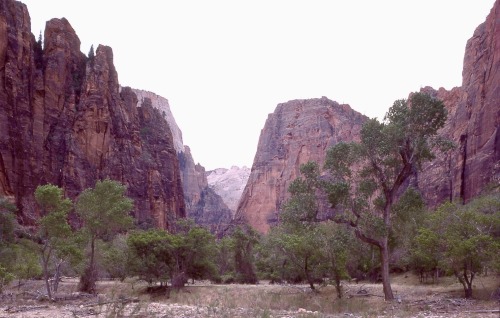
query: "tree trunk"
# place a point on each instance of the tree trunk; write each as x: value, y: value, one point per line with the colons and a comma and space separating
x: 179, y: 279
x: 466, y: 282
x: 338, y: 285
x: 308, y: 277
x: 46, y: 276
x: 45, y: 264
x: 57, y: 276
x: 89, y: 276
x: 384, y: 258
x: 468, y: 291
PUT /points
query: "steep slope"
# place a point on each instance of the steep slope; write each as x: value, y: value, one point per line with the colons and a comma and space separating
x: 63, y: 120
x: 298, y: 131
x: 473, y: 123
x: 229, y: 184
x: 203, y: 204
x: 162, y: 104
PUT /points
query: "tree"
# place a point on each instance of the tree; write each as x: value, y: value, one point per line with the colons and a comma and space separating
x: 310, y: 249
x: 54, y: 232
x: 425, y: 253
x: 27, y: 260
x: 195, y: 252
x: 463, y: 239
x: 366, y: 178
x: 38, y: 52
x: 7, y: 221
x: 224, y: 260
x: 104, y: 212
x: 408, y: 216
x: 297, y: 237
x: 7, y: 239
x: 243, y: 242
x: 335, y: 242
x: 5, y: 277
x: 114, y: 256
x: 91, y: 54
x: 156, y: 255
x: 150, y: 255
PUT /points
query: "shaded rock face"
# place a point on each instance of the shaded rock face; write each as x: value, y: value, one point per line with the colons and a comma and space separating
x: 162, y: 104
x: 203, y: 205
x: 297, y: 132
x: 473, y: 123
x: 229, y: 184
x: 64, y: 120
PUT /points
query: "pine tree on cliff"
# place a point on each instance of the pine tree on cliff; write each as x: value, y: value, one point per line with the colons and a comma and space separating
x: 91, y: 55
x: 38, y: 52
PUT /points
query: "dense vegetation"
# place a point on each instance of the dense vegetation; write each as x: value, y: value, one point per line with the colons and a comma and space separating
x: 354, y: 218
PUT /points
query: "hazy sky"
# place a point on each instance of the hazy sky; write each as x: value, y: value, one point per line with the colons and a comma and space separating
x: 225, y: 65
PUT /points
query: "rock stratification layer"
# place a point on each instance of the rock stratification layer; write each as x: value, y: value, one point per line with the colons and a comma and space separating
x: 297, y: 132
x: 65, y: 121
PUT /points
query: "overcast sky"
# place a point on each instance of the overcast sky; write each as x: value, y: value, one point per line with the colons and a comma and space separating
x: 225, y: 65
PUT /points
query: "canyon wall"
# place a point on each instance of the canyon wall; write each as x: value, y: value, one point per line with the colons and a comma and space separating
x: 297, y: 132
x: 473, y: 123
x: 65, y: 121
x: 202, y: 203
x: 302, y: 130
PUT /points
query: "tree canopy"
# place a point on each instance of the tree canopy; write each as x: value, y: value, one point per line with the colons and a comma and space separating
x: 364, y: 180
x: 461, y: 239
x: 104, y: 212
x: 54, y: 230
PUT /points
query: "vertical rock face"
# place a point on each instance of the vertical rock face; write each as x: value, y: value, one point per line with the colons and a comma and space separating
x: 204, y: 205
x: 64, y: 120
x: 297, y: 132
x: 481, y: 84
x: 161, y: 103
x: 473, y: 122
x: 19, y: 165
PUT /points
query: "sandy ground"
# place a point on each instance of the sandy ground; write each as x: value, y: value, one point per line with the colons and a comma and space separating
x: 203, y: 299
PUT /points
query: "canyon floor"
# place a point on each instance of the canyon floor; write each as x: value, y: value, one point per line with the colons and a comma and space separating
x: 202, y: 299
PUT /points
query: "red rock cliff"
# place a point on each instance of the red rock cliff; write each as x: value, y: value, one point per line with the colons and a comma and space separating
x: 473, y: 122
x: 297, y: 132
x: 64, y: 120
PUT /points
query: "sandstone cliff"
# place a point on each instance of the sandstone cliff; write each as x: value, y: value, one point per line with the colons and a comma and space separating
x: 297, y: 132
x: 229, y: 184
x: 203, y: 204
x: 64, y: 120
x: 473, y: 122
x: 162, y: 104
